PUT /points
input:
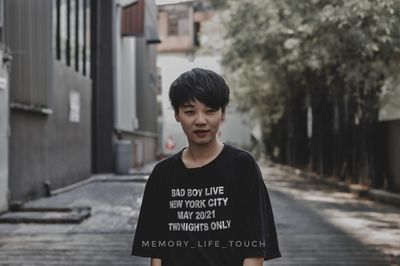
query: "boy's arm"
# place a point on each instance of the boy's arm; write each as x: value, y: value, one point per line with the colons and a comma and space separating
x: 258, y: 222
x: 155, y: 262
x: 253, y: 261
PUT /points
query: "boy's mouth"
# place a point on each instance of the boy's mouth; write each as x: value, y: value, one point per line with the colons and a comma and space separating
x: 201, y: 133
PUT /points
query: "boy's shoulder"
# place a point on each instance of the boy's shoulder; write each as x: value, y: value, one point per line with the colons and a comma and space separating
x: 239, y: 154
x: 167, y: 162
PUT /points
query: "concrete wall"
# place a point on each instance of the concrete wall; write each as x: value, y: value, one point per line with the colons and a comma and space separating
x: 28, y: 33
x: 51, y: 147
x: 134, y: 94
x: 103, y: 78
x: 125, y: 77
x: 146, y: 101
x: 125, y: 98
x: 146, y: 90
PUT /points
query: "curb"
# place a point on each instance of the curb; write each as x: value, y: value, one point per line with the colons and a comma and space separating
x: 385, y: 197
x: 361, y: 191
x: 135, y: 175
x: 62, y: 215
x: 18, y: 213
x: 142, y: 177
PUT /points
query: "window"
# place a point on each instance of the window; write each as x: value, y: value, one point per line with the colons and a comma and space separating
x: 56, y: 29
x: 61, y: 29
x: 72, y: 34
x: 197, y: 26
x: 86, y: 52
x: 73, y: 37
x: 80, y: 36
x: 178, y: 22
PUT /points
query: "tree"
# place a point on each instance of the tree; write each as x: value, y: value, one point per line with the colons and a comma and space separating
x: 331, y: 57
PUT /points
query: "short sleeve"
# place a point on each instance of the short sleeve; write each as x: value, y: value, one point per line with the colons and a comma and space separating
x: 148, y: 229
x: 257, y: 225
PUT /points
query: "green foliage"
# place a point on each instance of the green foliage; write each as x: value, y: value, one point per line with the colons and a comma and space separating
x: 276, y: 47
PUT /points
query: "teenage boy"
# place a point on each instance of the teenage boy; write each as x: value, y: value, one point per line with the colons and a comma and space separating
x: 206, y: 205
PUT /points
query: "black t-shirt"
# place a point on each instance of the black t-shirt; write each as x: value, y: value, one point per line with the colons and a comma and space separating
x: 214, y: 215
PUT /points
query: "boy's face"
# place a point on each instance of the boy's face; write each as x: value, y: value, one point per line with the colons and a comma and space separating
x: 199, y: 122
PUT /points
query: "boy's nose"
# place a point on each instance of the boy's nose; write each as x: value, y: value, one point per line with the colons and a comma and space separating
x: 200, y: 119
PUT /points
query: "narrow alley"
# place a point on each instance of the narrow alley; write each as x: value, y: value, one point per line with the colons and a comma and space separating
x: 316, y: 226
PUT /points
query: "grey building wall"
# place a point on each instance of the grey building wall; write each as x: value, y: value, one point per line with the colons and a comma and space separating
x: 69, y: 143
x: 28, y: 32
x: 146, y: 76
x: 103, y: 86
x: 50, y: 147
x: 106, y: 78
x: 146, y: 84
x: 44, y: 144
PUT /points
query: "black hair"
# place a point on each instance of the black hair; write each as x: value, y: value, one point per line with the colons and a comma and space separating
x: 203, y: 85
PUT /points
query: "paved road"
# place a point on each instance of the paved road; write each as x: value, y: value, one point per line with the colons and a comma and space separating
x: 316, y: 226
x: 319, y: 226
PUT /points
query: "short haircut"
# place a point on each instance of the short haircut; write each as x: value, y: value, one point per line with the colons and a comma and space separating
x: 203, y: 85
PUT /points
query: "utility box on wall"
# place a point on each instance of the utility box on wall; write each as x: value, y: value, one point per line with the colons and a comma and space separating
x: 4, y: 129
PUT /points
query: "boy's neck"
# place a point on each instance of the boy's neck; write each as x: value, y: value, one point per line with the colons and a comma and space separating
x: 199, y: 155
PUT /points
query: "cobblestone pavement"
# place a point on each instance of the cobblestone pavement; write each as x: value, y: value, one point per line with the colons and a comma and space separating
x: 316, y: 226
x: 103, y: 239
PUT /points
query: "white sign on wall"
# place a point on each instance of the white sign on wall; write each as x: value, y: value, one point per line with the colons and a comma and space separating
x: 74, y: 107
x: 3, y: 84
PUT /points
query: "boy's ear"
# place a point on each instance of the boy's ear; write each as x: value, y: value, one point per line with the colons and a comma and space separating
x: 177, y: 117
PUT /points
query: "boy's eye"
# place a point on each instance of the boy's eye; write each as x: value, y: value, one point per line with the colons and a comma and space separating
x: 211, y: 110
x: 189, y: 112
